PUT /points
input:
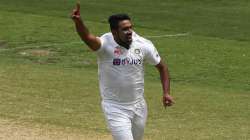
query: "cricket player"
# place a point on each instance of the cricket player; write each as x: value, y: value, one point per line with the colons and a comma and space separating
x: 121, y: 56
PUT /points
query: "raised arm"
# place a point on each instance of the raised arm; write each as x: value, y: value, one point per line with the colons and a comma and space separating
x: 91, y: 40
x: 165, y: 80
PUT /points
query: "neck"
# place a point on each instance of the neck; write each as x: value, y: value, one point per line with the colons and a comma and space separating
x: 121, y: 43
x: 124, y: 45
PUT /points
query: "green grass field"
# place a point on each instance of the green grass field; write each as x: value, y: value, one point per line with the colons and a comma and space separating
x: 49, y: 77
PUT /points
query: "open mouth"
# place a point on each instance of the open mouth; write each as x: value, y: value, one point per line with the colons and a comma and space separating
x: 129, y: 37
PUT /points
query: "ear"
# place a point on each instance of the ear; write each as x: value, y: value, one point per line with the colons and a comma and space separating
x: 114, y: 32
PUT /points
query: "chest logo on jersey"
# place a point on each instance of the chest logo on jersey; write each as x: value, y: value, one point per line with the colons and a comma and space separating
x: 126, y: 61
x: 117, y: 52
x: 137, y: 51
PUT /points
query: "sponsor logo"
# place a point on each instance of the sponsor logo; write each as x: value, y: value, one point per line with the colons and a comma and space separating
x: 116, y: 61
x: 126, y: 61
x: 117, y: 51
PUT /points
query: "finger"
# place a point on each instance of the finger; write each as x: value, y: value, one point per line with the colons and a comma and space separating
x: 165, y: 104
x: 74, y: 12
x: 75, y: 17
x: 168, y: 103
x: 171, y: 101
x: 78, y: 6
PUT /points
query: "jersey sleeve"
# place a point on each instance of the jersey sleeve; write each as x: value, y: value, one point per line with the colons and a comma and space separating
x: 151, y: 55
x: 102, y: 39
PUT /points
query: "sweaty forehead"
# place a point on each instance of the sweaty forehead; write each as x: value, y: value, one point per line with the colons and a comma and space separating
x: 125, y: 23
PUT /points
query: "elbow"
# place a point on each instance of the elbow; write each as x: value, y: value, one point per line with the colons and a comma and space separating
x: 161, y: 66
x: 163, y: 69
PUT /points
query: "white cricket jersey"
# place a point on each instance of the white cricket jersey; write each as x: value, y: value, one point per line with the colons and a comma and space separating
x: 121, y: 70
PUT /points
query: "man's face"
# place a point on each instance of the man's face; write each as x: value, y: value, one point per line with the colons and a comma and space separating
x: 124, y: 32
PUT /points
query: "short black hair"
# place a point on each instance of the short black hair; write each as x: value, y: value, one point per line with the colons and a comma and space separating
x: 115, y: 19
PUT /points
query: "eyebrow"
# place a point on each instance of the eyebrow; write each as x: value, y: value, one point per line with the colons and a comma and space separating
x: 127, y: 27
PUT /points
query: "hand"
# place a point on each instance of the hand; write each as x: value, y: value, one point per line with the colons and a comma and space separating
x: 167, y: 100
x: 76, y: 12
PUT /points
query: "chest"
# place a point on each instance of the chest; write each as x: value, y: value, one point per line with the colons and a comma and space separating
x: 122, y: 56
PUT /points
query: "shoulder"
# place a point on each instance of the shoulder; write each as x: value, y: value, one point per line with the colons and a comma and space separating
x: 107, y: 41
x: 106, y: 36
x: 146, y: 44
x: 141, y: 40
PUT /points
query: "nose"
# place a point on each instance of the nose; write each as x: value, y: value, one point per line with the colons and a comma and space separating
x: 129, y: 32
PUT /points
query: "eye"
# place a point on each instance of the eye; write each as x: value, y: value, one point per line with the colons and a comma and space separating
x: 127, y: 28
x: 124, y: 29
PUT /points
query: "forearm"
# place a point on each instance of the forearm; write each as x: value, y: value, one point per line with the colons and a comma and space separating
x: 90, y: 39
x: 165, y: 78
x: 82, y: 30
